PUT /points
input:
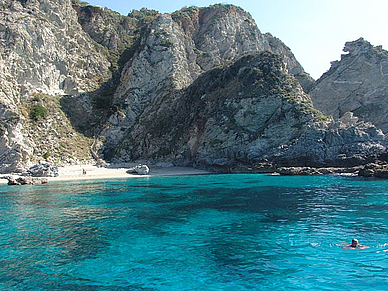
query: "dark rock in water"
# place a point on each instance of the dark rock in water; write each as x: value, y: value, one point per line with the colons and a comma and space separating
x: 43, y: 170
x: 374, y: 170
x: 12, y: 181
x: 26, y: 181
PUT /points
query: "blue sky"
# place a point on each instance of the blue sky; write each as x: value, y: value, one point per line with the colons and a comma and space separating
x: 315, y: 30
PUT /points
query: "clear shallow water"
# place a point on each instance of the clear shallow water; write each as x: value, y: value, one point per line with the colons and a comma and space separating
x: 213, y: 232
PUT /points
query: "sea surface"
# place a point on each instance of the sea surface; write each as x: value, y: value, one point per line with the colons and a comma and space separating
x: 209, y: 232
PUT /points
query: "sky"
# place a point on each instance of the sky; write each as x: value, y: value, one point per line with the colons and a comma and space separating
x: 315, y: 30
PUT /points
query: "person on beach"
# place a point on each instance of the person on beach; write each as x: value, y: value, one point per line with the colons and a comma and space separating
x: 355, y: 245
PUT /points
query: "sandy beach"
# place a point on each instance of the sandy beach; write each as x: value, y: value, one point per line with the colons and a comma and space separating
x: 94, y: 172
x: 76, y: 172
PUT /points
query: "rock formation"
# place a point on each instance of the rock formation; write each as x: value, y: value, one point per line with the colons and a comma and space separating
x: 44, y: 55
x: 139, y: 169
x: 43, y: 170
x: 374, y: 170
x: 358, y: 83
x: 176, y: 49
x: 26, y: 181
x: 200, y: 86
x: 249, y: 113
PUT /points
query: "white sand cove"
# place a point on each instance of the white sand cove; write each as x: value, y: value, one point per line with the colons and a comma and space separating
x: 88, y: 172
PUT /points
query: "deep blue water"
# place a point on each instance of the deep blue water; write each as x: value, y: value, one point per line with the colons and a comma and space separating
x: 212, y: 232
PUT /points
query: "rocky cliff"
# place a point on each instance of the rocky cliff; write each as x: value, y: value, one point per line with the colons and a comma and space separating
x: 358, y: 83
x: 44, y: 54
x: 176, y: 49
x: 249, y: 113
x: 200, y: 86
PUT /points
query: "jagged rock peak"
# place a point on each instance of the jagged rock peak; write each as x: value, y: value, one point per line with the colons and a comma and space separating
x: 358, y: 83
x: 360, y: 46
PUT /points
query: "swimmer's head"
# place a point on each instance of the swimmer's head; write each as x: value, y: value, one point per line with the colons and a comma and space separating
x: 354, y: 242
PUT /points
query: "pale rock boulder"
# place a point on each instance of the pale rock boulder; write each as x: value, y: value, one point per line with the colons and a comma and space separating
x: 139, y: 169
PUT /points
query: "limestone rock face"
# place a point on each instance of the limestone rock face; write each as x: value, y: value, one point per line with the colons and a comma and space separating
x: 43, y: 52
x: 176, y: 49
x: 200, y: 86
x: 293, y: 66
x: 358, y: 83
x: 44, y: 49
x: 108, y: 28
x: 250, y: 112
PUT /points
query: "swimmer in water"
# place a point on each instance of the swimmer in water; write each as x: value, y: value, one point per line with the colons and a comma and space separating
x: 355, y: 245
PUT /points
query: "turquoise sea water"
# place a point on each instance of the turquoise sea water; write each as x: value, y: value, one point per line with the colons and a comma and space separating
x: 212, y: 232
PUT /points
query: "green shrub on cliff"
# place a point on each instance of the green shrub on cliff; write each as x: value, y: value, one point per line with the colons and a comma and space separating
x: 38, y: 112
x: 46, y: 155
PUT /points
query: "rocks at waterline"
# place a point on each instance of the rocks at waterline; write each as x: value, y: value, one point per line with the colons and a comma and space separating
x: 26, y: 181
x: 374, y: 170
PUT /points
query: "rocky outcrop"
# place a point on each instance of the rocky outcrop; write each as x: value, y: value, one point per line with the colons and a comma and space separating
x: 43, y: 170
x: 44, y: 49
x: 44, y: 55
x: 119, y: 34
x: 293, y: 66
x: 26, y: 181
x: 245, y: 114
x: 200, y: 86
x: 176, y: 49
x: 358, y: 83
x: 376, y: 170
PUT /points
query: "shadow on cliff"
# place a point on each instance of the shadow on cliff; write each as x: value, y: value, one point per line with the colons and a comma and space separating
x: 89, y: 112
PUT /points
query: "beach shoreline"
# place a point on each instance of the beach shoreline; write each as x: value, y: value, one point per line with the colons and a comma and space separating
x: 93, y: 172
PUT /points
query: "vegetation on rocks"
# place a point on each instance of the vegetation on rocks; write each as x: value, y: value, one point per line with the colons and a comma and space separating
x: 54, y: 137
x: 202, y: 86
x: 38, y: 112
